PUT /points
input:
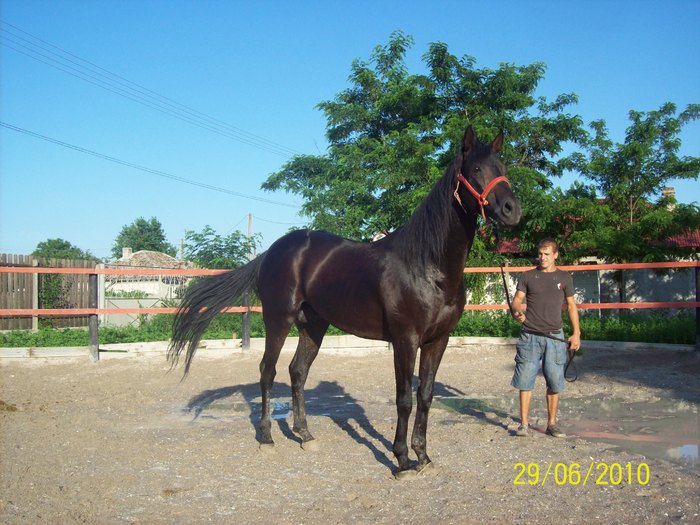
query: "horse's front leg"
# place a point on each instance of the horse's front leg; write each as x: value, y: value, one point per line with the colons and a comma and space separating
x: 430, y: 357
x: 404, y: 363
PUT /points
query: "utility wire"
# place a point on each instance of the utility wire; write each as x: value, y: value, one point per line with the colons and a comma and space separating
x: 143, y: 168
x: 37, y: 49
x: 278, y: 222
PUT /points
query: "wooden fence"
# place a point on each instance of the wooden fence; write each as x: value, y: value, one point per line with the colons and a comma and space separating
x: 34, y: 290
x: 92, y: 311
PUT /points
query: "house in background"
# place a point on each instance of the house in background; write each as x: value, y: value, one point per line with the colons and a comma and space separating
x: 611, y: 286
x: 155, y: 286
x: 140, y: 291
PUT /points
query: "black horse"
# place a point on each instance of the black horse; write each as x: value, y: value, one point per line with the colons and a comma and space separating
x: 406, y: 288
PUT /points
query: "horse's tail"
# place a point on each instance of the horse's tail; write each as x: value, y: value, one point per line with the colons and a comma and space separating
x: 203, y: 301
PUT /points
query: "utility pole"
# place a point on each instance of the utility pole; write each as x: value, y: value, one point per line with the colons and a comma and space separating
x: 245, y: 329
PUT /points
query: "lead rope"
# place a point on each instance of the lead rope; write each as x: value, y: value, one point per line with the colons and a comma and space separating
x: 570, y: 353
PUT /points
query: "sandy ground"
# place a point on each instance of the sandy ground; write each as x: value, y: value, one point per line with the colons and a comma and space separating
x: 125, y: 441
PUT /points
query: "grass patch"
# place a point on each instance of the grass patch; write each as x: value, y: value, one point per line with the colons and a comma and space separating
x: 632, y: 327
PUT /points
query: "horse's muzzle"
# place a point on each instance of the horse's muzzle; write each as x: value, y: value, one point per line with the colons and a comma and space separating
x: 508, y: 212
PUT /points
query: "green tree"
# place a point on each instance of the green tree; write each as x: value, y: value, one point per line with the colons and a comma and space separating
x: 390, y: 135
x: 211, y: 250
x: 60, y: 249
x: 143, y: 235
x: 632, y: 219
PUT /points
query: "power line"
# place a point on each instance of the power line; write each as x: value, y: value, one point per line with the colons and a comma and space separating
x: 143, y: 168
x: 278, y: 222
x: 49, y: 54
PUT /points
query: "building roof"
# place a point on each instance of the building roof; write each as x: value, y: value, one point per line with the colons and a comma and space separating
x: 687, y: 239
x: 149, y: 259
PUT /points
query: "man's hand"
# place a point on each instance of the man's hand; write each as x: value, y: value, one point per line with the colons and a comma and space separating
x: 518, y: 315
x: 575, y: 343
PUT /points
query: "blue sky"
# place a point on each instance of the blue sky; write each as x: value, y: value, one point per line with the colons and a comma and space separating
x: 261, y: 68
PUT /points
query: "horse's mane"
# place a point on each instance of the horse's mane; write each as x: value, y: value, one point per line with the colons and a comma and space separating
x: 424, y: 236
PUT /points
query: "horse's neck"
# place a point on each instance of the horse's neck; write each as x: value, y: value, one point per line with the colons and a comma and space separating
x: 460, y: 237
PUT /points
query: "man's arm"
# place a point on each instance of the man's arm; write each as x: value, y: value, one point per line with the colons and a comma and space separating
x: 575, y: 339
x: 517, y: 308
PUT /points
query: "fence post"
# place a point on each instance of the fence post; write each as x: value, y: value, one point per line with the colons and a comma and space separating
x: 94, y: 343
x: 697, y: 309
x: 101, y: 286
x: 245, y: 328
x: 35, y: 297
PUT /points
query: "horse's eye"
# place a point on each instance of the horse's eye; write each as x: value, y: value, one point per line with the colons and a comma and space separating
x: 477, y: 169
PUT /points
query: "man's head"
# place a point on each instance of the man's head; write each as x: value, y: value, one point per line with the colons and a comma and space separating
x: 547, y: 253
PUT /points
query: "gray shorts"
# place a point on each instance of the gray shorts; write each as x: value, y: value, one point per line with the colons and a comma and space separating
x: 533, y: 348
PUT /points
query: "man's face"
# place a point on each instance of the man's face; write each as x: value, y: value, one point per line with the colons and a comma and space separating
x: 547, y: 257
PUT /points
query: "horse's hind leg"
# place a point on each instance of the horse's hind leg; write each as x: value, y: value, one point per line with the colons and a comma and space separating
x: 311, y: 331
x: 276, y: 331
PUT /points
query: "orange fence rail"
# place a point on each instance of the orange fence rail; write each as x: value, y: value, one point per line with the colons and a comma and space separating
x: 242, y: 309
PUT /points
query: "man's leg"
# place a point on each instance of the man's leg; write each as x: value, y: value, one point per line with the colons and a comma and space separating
x: 553, y: 368
x: 552, y: 405
x: 525, y: 397
x: 527, y: 363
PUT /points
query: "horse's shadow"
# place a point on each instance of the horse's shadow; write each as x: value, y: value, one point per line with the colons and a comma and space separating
x: 455, y: 400
x: 327, y: 399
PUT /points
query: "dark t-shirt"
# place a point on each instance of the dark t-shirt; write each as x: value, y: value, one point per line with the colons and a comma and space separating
x: 545, y: 292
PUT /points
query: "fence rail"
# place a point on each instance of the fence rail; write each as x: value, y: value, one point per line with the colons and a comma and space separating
x: 92, y: 311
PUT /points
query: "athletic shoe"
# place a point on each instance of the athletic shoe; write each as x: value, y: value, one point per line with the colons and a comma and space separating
x: 553, y: 430
x: 523, y: 431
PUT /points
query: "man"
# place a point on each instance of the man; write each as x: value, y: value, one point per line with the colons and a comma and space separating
x: 544, y: 290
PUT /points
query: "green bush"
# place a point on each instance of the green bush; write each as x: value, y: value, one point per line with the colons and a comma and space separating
x: 46, y: 336
x: 654, y: 328
x: 486, y: 324
x: 633, y: 327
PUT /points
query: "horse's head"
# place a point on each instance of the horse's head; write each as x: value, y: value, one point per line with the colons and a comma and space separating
x: 482, y: 186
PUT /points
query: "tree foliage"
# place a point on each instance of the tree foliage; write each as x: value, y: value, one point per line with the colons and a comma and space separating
x: 390, y: 135
x: 142, y: 234
x: 630, y: 219
x: 60, y: 249
x: 391, y: 132
x: 210, y: 250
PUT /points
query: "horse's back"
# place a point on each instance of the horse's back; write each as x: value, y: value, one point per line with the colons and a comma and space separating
x: 337, y: 277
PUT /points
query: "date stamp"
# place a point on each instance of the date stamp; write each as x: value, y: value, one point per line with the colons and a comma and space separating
x: 595, y: 473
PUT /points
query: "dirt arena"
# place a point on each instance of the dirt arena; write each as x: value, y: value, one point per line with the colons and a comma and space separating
x: 125, y: 441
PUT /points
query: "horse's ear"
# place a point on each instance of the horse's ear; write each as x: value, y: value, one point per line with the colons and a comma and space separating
x: 497, y: 143
x: 469, y: 140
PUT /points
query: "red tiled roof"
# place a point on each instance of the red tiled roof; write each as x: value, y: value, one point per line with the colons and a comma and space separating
x: 508, y: 246
x: 688, y: 239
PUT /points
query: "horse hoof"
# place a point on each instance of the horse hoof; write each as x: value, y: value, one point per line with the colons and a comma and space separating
x: 427, y: 470
x: 311, y: 446
x: 403, y: 475
x: 267, y: 448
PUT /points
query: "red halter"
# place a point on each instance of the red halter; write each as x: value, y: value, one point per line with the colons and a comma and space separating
x: 480, y: 197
